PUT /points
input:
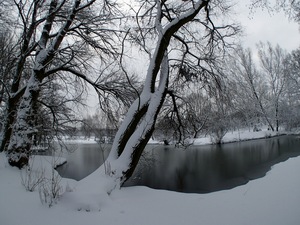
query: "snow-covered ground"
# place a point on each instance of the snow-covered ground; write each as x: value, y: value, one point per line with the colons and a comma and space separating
x: 271, y: 200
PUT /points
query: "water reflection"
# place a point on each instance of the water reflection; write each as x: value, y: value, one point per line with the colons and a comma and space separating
x: 201, y: 169
x: 83, y: 161
x: 198, y: 169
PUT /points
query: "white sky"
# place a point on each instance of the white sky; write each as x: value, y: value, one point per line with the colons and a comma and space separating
x: 265, y: 26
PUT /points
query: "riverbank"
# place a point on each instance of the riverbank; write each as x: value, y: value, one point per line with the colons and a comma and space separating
x: 234, y: 136
x: 229, y: 137
x: 271, y: 200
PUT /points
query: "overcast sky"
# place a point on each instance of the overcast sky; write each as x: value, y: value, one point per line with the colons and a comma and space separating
x: 258, y: 26
x: 263, y: 26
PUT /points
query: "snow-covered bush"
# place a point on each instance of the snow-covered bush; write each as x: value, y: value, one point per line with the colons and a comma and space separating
x: 41, y: 173
x: 30, y: 178
x: 50, y: 189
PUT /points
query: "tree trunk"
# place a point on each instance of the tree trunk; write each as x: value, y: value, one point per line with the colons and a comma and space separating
x: 12, y: 104
x: 9, y: 121
x: 138, y: 125
x: 11, y: 111
x: 132, y: 147
x: 136, y: 129
x: 18, y: 150
x: 276, y: 116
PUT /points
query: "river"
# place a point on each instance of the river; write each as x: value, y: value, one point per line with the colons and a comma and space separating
x: 197, y: 169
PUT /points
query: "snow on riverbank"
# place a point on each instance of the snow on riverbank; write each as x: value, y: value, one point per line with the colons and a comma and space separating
x: 271, y: 200
x: 79, y: 140
x: 231, y: 136
x: 239, y: 135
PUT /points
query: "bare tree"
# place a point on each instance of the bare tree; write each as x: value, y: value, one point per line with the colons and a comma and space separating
x: 184, y: 116
x: 290, y: 7
x: 221, y: 111
x: 273, y: 64
x: 7, y: 60
x: 199, y: 111
x: 6, y: 16
x: 24, y: 48
x: 250, y: 86
x: 56, y: 109
x: 72, y: 32
x: 175, y: 26
x: 290, y: 104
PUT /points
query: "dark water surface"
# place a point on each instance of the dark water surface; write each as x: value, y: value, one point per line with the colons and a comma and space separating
x: 197, y: 169
x: 82, y: 160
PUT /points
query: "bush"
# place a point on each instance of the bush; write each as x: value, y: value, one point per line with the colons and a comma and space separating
x: 50, y: 189
x: 31, y: 179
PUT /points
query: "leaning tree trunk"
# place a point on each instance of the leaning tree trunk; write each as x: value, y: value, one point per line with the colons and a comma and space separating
x: 136, y: 130
x: 138, y: 125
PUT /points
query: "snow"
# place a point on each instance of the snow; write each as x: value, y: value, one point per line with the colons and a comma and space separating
x: 240, y: 135
x: 271, y: 200
x: 80, y: 141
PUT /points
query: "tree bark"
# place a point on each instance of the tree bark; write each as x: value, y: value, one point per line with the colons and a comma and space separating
x: 11, y: 110
x: 18, y: 150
